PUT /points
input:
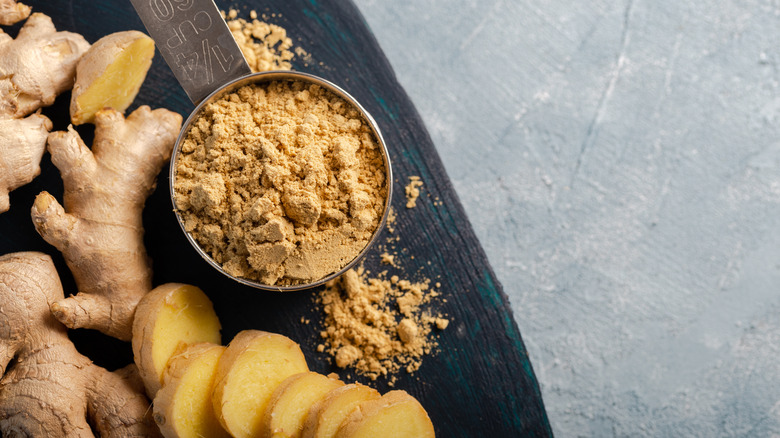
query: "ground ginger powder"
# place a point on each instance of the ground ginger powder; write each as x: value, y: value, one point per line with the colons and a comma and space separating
x: 412, y: 191
x: 377, y: 326
x: 265, y: 46
x: 281, y: 183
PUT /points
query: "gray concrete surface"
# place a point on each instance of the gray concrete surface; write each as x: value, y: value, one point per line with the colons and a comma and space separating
x: 620, y: 162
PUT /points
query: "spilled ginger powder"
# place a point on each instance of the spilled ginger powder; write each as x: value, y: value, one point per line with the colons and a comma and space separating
x: 378, y: 326
x: 265, y: 46
x: 281, y: 183
x: 412, y: 191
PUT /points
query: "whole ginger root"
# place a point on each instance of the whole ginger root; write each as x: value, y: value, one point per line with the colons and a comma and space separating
x: 99, y: 231
x: 22, y: 144
x: 51, y: 390
x: 34, y: 68
x: 12, y: 12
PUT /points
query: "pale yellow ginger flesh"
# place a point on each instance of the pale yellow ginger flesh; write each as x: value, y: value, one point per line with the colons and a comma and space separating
x: 167, y: 317
x: 34, y: 68
x: 183, y: 408
x: 12, y: 12
x: 48, y: 388
x: 110, y: 74
x: 251, y: 368
x: 290, y: 402
x: 100, y: 233
x: 395, y: 414
x: 327, y: 414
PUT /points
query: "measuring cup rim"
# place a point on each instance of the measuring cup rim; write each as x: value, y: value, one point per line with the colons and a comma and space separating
x: 281, y: 75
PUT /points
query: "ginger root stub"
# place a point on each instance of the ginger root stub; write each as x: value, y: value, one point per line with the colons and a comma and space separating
x: 282, y: 183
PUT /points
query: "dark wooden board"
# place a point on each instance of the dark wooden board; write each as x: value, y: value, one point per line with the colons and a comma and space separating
x: 481, y: 382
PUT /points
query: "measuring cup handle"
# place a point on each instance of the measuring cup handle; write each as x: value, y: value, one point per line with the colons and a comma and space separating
x: 195, y: 42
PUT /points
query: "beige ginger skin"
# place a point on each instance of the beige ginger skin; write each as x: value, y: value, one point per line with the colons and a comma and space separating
x: 34, y: 68
x: 12, y: 12
x: 99, y: 231
x: 50, y: 390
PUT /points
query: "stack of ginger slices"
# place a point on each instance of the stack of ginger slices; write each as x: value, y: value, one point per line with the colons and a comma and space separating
x: 257, y: 386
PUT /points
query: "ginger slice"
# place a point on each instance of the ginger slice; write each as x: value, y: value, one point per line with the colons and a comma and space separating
x: 183, y: 408
x: 394, y: 414
x: 100, y: 232
x: 168, y: 316
x: 326, y: 415
x: 251, y: 368
x: 110, y: 74
x: 291, y: 401
x: 12, y: 12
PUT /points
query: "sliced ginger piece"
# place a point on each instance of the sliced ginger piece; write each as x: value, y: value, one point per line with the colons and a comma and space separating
x: 183, y: 408
x: 326, y: 415
x: 250, y: 369
x: 110, y: 74
x: 170, y: 315
x: 290, y: 402
x: 395, y: 414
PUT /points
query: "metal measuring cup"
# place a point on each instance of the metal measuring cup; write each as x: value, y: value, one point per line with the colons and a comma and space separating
x: 200, y: 50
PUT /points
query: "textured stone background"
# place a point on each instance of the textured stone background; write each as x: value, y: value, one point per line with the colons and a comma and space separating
x: 620, y: 162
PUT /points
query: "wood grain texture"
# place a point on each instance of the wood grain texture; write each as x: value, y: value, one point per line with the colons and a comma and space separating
x: 481, y: 382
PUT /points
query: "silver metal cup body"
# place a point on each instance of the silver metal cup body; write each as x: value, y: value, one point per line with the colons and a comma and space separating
x: 269, y: 77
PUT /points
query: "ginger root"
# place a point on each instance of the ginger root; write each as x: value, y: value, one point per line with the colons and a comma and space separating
x: 50, y: 389
x: 24, y: 141
x: 37, y: 66
x: 110, y: 74
x: 12, y: 12
x: 170, y: 316
x: 34, y: 68
x: 100, y: 230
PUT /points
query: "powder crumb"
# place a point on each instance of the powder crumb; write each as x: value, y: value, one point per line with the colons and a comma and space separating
x: 303, y: 54
x: 281, y: 183
x: 265, y: 46
x: 388, y: 259
x: 377, y: 326
x: 407, y: 330
x: 391, y: 218
x: 320, y: 348
x: 442, y: 323
x: 413, y: 191
x: 347, y: 355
